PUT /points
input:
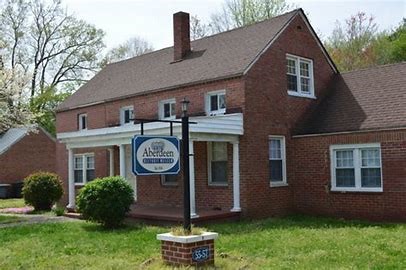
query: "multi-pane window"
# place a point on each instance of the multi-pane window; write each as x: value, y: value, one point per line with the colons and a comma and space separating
x: 299, y: 76
x: 356, y: 168
x: 167, y: 109
x: 217, y: 155
x: 127, y: 115
x: 216, y: 102
x: 277, y: 160
x: 83, y: 168
x: 82, y: 121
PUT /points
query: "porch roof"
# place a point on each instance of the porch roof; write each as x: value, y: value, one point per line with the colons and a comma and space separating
x: 216, y: 128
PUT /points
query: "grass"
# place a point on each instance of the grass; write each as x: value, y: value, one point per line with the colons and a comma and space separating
x: 295, y: 242
x: 11, y: 203
x: 4, y: 219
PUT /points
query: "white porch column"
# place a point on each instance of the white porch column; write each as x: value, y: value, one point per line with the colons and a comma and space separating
x: 122, y: 160
x: 236, y: 178
x: 193, y: 213
x: 71, y: 180
x: 111, y: 160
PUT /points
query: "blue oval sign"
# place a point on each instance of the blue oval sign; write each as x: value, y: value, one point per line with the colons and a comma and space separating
x: 155, y: 155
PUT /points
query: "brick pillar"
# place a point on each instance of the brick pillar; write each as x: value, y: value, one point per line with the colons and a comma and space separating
x: 194, y: 250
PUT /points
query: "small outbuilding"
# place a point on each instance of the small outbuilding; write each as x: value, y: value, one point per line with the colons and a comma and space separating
x: 22, y: 153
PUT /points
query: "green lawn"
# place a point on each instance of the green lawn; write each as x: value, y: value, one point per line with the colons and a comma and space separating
x: 288, y: 243
x: 11, y: 203
x: 4, y: 219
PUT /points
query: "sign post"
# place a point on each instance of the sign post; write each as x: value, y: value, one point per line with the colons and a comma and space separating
x: 186, y: 171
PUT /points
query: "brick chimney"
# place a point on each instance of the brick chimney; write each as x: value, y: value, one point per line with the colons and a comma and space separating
x: 181, y: 35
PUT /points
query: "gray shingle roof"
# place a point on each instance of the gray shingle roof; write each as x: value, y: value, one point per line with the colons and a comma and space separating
x: 366, y: 99
x: 12, y: 136
x: 219, y: 56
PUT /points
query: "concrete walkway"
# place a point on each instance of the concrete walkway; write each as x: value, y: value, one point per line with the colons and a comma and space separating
x: 35, y: 219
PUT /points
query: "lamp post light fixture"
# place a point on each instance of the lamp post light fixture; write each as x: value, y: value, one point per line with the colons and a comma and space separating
x: 186, y: 169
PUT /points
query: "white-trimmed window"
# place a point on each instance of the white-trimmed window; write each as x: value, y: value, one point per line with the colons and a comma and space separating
x: 277, y: 160
x: 167, y: 109
x: 356, y: 167
x: 169, y: 179
x: 217, y: 163
x: 300, y: 76
x: 216, y: 102
x: 82, y: 121
x: 127, y: 115
x: 83, y: 168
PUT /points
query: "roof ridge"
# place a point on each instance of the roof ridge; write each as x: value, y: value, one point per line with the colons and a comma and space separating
x: 373, y: 67
x: 211, y: 36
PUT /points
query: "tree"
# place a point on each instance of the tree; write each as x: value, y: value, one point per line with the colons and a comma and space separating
x: 358, y: 44
x: 198, y: 29
x: 50, y: 46
x: 14, y: 112
x: 350, y: 46
x: 135, y: 46
x: 238, y: 13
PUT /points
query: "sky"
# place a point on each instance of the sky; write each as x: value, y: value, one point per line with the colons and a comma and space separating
x: 152, y: 20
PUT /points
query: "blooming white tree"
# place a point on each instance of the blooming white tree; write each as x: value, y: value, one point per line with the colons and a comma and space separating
x: 14, y: 108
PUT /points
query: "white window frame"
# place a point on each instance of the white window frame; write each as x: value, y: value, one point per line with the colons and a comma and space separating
x: 208, y: 100
x: 84, y: 166
x: 357, y: 167
x: 209, y: 160
x: 284, y: 181
x: 161, y: 105
x: 80, y: 124
x: 122, y: 115
x: 171, y: 184
x: 299, y: 92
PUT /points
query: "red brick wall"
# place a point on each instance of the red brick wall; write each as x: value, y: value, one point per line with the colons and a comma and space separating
x: 34, y: 152
x: 313, y: 178
x: 150, y: 191
x: 149, y: 188
x: 146, y: 106
x: 270, y: 110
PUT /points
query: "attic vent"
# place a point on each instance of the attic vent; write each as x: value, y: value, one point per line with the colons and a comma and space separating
x: 299, y: 27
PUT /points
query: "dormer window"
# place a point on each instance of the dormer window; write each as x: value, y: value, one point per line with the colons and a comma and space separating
x: 216, y: 102
x: 300, y: 76
x: 167, y: 109
x: 82, y: 121
x: 127, y: 115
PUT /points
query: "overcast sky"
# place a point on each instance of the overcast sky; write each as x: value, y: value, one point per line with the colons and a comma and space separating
x: 152, y: 20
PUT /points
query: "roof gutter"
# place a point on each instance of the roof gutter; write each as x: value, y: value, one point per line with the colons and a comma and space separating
x: 349, y: 132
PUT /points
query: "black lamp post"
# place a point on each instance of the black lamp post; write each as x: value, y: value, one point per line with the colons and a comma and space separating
x: 186, y: 169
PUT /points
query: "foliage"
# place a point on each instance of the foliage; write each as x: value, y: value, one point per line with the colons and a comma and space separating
x: 198, y: 29
x: 51, y: 47
x: 42, y: 190
x: 278, y: 243
x: 9, y: 219
x: 58, y: 210
x: 106, y: 201
x: 180, y: 231
x: 238, y: 13
x: 358, y: 43
x: 135, y: 46
x: 14, y: 111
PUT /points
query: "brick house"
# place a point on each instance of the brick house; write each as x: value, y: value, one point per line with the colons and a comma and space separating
x: 279, y: 129
x: 23, y: 152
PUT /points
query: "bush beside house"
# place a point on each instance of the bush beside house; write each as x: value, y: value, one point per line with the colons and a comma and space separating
x: 42, y: 190
x: 106, y: 201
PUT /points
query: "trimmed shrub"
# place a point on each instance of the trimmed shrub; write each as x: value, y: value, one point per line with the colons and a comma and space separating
x: 106, y: 201
x: 42, y: 190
